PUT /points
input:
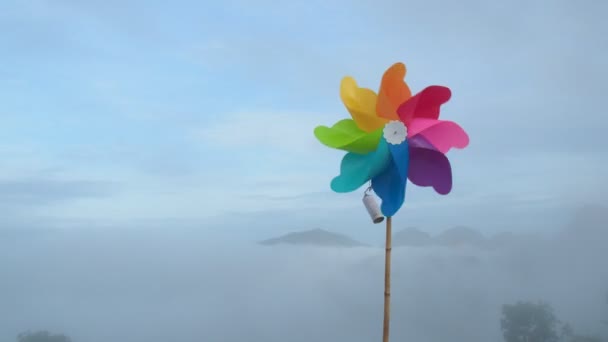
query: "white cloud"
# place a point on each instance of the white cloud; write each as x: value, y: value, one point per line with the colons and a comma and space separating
x: 270, y: 130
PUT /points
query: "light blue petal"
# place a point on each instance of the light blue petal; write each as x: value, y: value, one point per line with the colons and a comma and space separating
x: 357, y: 169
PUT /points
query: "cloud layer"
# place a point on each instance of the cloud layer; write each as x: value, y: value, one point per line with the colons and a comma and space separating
x: 156, y: 285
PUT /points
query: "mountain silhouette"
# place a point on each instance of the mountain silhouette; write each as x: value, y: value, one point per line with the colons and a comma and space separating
x: 459, y: 236
x: 453, y: 237
x: 411, y: 237
x: 315, y: 237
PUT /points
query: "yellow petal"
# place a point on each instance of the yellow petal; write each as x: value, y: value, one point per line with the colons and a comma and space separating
x: 361, y: 104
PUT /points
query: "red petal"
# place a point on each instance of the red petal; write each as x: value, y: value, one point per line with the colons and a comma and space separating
x: 425, y: 104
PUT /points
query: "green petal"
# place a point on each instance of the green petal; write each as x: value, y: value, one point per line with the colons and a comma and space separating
x: 357, y: 169
x: 345, y: 135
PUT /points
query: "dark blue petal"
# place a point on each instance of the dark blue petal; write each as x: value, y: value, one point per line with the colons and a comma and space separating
x: 390, y: 184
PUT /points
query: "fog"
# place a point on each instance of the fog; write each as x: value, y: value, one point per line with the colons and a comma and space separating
x: 182, y: 285
x: 147, y: 146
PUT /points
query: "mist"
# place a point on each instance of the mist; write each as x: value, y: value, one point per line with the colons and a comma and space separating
x: 195, y: 285
x: 147, y: 147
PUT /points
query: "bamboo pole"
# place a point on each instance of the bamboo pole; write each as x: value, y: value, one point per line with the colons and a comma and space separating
x: 387, y: 280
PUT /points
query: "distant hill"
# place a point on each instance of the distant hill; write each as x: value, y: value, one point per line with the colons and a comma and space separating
x: 453, y: 237
x: 459, y: 236
x: 411, y: 237
x: 588, y: 227
x: 25, y: 234
x: 588, y: 220
x: 315, y: 237
x: 506, y: 239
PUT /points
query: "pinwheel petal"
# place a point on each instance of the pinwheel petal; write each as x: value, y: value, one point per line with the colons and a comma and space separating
x: 420, y: 141
x: 429, y: 167
x: 442, y: 134
x: 425, y: 104
x: 393, y: 92
x: 361, y: 104
x: 390, y: 184
x: 357, y: 169
x: 345, y: 135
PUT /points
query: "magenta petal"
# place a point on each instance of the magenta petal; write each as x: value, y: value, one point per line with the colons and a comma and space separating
x: 429, y: 167
x: 442, y: 134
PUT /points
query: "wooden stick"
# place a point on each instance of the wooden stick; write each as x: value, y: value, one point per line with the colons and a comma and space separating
x: 387, y: 280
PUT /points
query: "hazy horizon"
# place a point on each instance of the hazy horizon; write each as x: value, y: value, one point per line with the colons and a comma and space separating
x: 158, y: 285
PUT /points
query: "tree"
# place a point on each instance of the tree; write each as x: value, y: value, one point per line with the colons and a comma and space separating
x: 568, y: 335
x: 584, y: 338
x: 606, y: 321
x: 41, y: 336
x: 529, y: 322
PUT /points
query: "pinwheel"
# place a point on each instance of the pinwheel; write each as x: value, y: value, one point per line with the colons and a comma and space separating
x: 392, y: 137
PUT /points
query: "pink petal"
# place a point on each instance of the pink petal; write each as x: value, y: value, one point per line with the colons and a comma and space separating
x: 442, y: 134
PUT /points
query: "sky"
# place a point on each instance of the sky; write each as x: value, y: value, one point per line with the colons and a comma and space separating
x: 148, y: 113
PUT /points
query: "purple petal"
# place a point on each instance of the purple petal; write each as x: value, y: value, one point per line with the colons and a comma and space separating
x: 429, y: 167
x: 420, y: 141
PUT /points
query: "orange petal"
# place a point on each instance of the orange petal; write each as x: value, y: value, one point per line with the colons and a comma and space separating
x: 393, y: 92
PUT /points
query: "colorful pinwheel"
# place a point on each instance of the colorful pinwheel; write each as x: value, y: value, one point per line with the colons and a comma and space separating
x: 392, y: 137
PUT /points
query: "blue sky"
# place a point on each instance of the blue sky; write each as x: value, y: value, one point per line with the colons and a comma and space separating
x: 113, y: 112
